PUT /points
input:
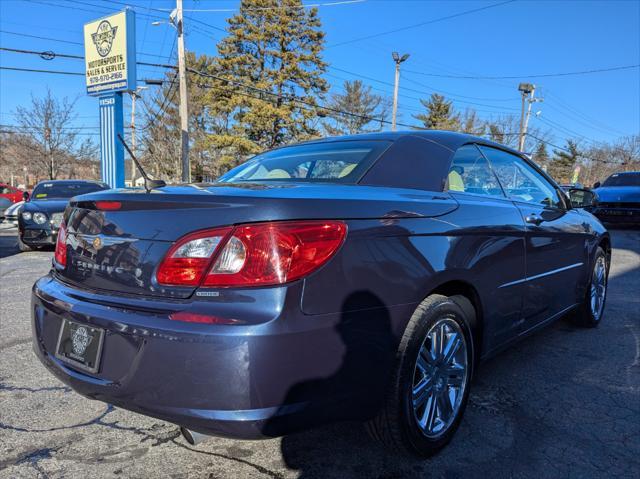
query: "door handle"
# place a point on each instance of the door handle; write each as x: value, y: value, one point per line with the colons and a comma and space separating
x: 534, y: 219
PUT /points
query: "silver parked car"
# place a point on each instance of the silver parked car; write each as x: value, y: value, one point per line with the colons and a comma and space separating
x: 11, y: 214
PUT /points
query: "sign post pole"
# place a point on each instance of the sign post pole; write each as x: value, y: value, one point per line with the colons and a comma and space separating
x: 111, y: 149
x: 110, y: 61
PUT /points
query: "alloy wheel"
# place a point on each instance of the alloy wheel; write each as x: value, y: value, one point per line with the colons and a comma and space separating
x: 598, y: 287
x: 440, y: 377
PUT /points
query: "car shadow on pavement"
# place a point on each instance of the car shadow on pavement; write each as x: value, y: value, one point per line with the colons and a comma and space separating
x: 535, y: 409
x: 8, y: 241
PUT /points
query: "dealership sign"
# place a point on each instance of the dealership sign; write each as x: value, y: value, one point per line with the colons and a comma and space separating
x: 110, y: 61
x: 110, y: 55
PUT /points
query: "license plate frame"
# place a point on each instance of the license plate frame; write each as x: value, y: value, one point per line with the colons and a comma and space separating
x: 80, y: 345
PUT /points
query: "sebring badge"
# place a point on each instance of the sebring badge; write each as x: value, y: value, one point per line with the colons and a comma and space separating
x: 103, y: 38
x: 97, y: 243
x: 80, y: 340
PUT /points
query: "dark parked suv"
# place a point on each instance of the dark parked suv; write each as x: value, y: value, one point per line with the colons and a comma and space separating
x: 619, y: 199
x: 362, y: 277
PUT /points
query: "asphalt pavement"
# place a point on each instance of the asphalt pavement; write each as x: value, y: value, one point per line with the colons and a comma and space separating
x: 562, y: 403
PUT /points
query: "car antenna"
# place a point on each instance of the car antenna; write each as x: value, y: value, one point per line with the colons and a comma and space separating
x: 149, y: 184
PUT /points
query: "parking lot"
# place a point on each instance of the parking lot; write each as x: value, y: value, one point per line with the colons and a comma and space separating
x: 563, y: 403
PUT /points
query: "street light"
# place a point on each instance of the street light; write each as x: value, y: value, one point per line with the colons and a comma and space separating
x: 172, y: 20
x: 398, y: 60
x: 526, y: 90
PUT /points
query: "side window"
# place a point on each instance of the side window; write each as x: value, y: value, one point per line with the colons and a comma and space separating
x: 4, y: 190
x: 470, y: 172
x: 519, y: 180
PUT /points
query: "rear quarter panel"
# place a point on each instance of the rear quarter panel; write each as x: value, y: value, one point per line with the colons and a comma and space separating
x: 399, y: 261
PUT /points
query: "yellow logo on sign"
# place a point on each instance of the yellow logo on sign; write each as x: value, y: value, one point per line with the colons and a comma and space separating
x: 97, y: 243
x: 103, y: 38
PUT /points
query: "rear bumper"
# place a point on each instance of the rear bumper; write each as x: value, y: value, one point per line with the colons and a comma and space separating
x: 280, y: 373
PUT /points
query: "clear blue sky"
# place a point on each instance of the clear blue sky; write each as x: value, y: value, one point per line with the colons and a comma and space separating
x: 514, y: 39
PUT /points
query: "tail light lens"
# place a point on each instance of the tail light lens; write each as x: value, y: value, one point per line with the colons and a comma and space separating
x: 189, y: 259
x: 60, y: 254
x: 252, y: 255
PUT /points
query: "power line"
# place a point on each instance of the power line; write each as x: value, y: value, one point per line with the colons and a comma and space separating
x: 9, y: 113
x: 168, y: 98
x: 164, y: 12
x: 517, y: 77
x: 233, y: 82
x: 45, y: 55
x: 417, y: 91
x: 33, y: 70
x: 50, y: 55
x: 421, y: 24
x: 564, y: 129
x: 578, y: 114
x: 561, y: 148
x: 106, y: 9
x: 452, y: 95
x: 259, y: 9
x: 64, y: 128
x: 41, y: 37
x: 61, y: 41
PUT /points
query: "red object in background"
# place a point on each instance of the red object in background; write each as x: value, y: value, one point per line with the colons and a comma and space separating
x: 9, y: 192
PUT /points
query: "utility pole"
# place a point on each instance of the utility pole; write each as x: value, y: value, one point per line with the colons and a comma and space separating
x: 528, y: 91
x: 184, y: 118
x: 398, y: 60
x: 47, y: 148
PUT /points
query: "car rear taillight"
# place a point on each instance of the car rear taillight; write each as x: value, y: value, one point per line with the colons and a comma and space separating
x: 60, y: 254
x: 260, y: 254
x: 189, y: 258
x: 275, y: 253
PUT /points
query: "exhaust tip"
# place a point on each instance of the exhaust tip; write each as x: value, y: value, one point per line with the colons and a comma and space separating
x: 192, y: 437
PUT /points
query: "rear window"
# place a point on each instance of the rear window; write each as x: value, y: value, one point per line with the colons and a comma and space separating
x: 49, y: 190
x: 627, y: 179
x: 336, y: 162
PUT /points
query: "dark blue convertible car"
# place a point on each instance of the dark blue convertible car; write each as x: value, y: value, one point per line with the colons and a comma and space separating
x: 362, y: 277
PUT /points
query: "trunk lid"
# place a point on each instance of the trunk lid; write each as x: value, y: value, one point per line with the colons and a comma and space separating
x: 120, y: 250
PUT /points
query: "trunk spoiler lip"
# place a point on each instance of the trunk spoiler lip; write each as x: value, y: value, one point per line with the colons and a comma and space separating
x: 192, y: 193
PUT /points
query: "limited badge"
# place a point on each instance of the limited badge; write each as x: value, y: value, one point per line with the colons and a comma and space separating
x: 80, y: 340
x: 97, y: 243
x: 103, y: 38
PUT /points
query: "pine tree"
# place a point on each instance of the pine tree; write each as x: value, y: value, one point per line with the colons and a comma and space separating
x: 440, y: 114
x: 358, y: 100
x: 563, y: 162
x: 272, y: 54
x: 541, y: 157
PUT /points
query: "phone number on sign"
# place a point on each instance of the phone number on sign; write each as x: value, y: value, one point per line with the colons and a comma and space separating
x: 106, y: 78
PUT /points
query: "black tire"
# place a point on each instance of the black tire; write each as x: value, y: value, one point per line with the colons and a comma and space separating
x: 584, y: 315
x: 396, y: 426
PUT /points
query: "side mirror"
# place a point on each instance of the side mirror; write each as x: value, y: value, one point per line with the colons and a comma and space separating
x: 25, y: 196
x: 596, y: 184
x: 582, y: 198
